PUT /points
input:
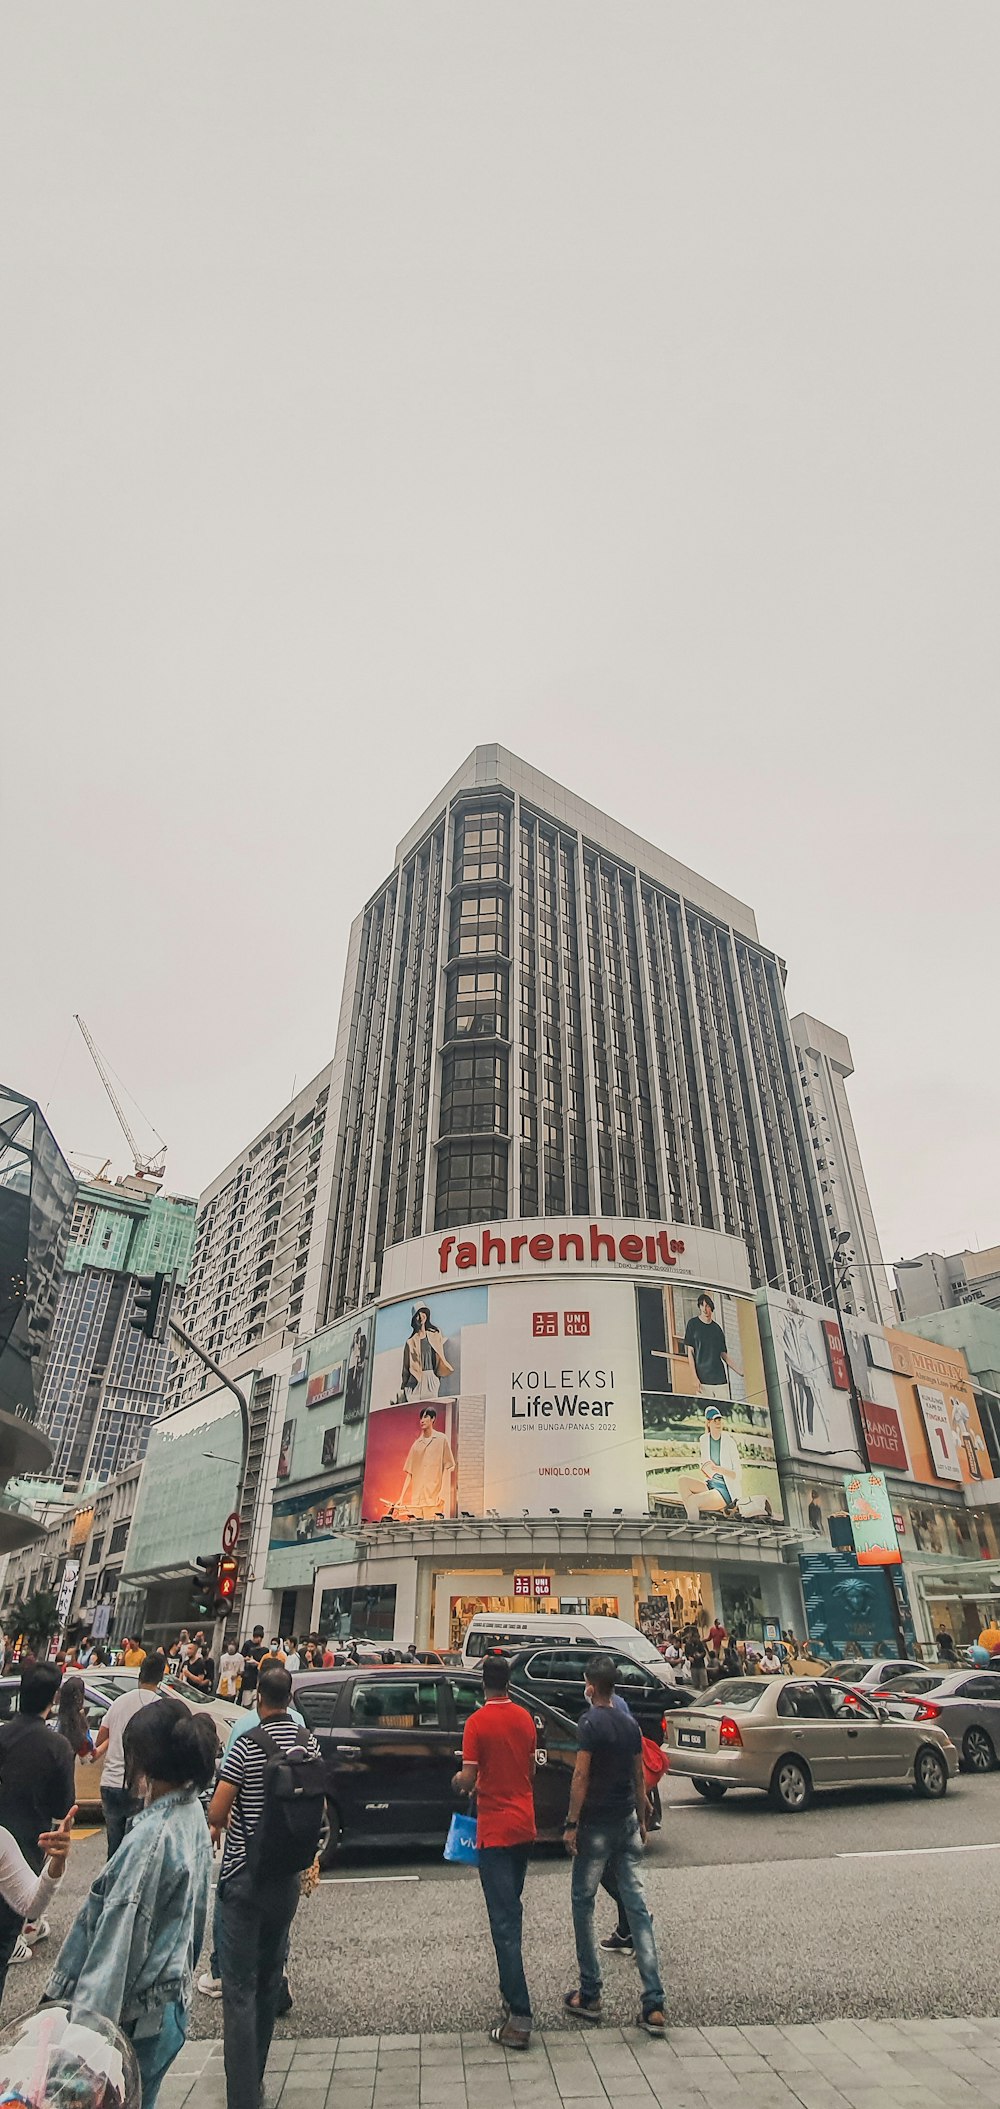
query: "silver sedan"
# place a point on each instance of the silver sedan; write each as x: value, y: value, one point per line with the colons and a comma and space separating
x: 791, y: 1736
x: 965, y: 1703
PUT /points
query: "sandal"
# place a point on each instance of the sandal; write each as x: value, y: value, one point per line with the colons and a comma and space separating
x: 582, y: 2009
x: 654, y: 2023
x: 510, y: 2035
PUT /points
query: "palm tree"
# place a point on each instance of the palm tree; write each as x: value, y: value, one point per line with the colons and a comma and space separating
x: 35, y: 1616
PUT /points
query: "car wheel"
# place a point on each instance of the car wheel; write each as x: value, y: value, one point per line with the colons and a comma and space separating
x: 978, y: 1751
x: 330, y: 1836
x: 930, y: 1774
x: 709, y: 1789
x: 791, y: 1788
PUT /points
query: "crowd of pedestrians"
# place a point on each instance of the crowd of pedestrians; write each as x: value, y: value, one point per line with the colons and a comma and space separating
x: 703, y: 1656
x: 133, y: 1949
x: 170, y: 1798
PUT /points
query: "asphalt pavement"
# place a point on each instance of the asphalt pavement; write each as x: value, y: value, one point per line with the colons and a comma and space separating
x: 870, y: 1904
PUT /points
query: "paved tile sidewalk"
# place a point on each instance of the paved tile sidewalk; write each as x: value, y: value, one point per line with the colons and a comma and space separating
x: 821, y: 2065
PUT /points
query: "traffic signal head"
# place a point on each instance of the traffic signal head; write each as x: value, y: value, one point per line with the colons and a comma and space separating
x: 226, y: 1579
x: 151, y: 1308
x: 206, y: 1587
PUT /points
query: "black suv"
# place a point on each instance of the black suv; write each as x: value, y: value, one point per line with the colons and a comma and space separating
x: 555, y: 1676
x: 392, y: 1743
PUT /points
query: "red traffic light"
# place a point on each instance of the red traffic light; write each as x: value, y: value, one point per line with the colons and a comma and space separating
x: 228, y: 1576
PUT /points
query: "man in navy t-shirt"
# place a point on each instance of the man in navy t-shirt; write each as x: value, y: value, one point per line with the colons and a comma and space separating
x: 606, y: 1827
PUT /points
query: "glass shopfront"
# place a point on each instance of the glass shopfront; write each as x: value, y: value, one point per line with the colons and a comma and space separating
x: 358, y: 1614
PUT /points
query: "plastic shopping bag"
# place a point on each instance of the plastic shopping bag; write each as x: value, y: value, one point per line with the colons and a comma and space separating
x: 460, y: 1844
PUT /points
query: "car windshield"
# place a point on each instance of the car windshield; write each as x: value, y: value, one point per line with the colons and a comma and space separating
x: 641, y: 1649
x: 737, y: 1692
x: 190, y: 1692
x: 848, y: 1672
x: 925, y: 1683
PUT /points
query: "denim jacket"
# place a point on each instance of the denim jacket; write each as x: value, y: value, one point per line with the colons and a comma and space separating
x: 135, y: 1941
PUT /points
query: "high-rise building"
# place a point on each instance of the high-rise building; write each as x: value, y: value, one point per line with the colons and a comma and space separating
x: 256, y: 1225
x: 933, y: 1281
x: 824, y: 1059
x: 36, y: 1189
x: 105, y: 1383
x: 545, y: 1015
x: 564, y: 1106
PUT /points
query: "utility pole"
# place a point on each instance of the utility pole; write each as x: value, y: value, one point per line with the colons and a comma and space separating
x: 842, y: 1239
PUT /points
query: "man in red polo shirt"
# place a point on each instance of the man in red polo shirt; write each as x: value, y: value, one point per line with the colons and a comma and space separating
x: 498, y: 1761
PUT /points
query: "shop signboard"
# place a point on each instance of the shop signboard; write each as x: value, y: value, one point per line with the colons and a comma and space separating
x: 883, y: 1436
x: 570, y: 1394
x: 940, y: 1433
x: 840, y: 1373
x: 70, y: 1575
x: 872, y: 1524
x: 848, y: 1609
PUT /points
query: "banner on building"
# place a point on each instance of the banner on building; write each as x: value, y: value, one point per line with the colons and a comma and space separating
x: 872, y: 1522
x: 570, y: 1396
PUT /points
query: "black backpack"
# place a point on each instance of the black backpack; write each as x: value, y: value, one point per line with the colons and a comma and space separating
x: 287, y: 1837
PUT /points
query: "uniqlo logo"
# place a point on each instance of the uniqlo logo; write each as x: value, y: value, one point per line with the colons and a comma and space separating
x: 576, y: 1322
x: 544, y: 1324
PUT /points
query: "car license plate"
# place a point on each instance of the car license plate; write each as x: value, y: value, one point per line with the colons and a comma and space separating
x: 691, y: 1738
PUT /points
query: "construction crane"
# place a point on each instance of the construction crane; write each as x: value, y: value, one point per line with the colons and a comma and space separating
x: 151, y: 1168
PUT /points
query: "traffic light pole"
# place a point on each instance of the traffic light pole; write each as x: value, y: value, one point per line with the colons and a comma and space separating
x: 209, y: 1363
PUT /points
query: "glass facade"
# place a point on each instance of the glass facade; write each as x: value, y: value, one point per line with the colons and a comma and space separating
x: 36, y: 1194
x: 105, y: 1384
x: 540, y: 1027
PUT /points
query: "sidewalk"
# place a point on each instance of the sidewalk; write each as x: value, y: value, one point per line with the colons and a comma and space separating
x: 823, y: 2065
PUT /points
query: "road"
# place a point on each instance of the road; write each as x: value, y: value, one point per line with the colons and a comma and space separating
x: 870, y: 1904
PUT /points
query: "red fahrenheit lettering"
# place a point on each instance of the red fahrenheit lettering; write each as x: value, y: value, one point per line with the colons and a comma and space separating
x: 443, y: 1250
x: 493, y: 1249
x: 517, y: 1246
x: 599, y: 1238
x: 666, y: 1253
x: 541, y: 1247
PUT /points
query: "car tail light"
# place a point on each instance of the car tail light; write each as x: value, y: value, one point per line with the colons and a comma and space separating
x: 729, y: 1734
x: 927, y: 1711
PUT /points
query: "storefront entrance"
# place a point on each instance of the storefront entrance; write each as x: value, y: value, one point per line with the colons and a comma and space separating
x: 464, y: 1608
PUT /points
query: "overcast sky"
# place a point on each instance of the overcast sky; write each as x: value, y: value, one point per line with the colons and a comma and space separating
x: 618, y: 382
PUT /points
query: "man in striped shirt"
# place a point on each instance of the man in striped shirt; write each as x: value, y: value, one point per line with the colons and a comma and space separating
x: 254, y: 1915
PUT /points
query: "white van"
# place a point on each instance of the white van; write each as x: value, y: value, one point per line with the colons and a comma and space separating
x: 490, y: 1630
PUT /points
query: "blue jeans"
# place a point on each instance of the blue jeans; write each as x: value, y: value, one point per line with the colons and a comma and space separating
x: 155, y: 2054
x: 615, y: 1844
x: 502, y: 1870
